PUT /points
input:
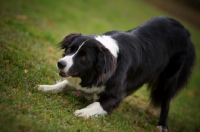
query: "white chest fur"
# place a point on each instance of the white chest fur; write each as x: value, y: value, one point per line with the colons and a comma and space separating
x: 88, y: 93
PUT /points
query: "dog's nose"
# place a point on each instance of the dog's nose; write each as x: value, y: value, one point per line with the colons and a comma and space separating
x: 61, y: 64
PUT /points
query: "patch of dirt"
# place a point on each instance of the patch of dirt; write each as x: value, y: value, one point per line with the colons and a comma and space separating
x: 180, y: 10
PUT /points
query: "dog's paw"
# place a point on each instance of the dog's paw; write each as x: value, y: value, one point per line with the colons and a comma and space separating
x: 86, y: 113
x: 93, y: 109
x: 43, y: 87
x: 82, y: 113
x: 162, y: 129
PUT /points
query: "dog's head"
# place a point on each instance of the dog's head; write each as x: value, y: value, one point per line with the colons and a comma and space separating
x: 86, y: 58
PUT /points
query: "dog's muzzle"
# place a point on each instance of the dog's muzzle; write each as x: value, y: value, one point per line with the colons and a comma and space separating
x: 61, y: 64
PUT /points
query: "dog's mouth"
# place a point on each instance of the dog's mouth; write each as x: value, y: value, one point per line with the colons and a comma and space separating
x: 62, y: 74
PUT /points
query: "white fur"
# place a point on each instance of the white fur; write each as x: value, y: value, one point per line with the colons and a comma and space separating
x: 75, y: 81
x: 69, y: 62
x: 159, y: 128
x: 109, y: 43
x: 69, y: 59
x: 85, y: 90
x: 72, y: 84
x: 59, y: 87
x: 93, y: 109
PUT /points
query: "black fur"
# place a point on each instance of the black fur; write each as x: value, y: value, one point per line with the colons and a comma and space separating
x: 159, y: 53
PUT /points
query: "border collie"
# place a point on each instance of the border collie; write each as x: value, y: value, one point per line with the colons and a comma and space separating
x: 113, y: 65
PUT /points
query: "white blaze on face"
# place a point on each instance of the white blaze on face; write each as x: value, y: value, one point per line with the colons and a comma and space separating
x: 69, y: 59
x: 109, y: 43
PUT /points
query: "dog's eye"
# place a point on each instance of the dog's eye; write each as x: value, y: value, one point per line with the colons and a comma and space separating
x: 69, y: 50
x: 83, y: 57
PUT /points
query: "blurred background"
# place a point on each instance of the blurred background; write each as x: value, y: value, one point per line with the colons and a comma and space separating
x: 29, y: 35
x: 188, y: 10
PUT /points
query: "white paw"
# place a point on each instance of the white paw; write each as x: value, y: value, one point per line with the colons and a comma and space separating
x: 56, y: 88
x: 93, y: 109
x: 162, y: 129
x: 43, y: 87
x: 82, y: 113
x: 51, y: 88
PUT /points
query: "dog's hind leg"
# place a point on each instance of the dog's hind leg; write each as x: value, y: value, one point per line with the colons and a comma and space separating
x: 169, y: 83
x: 170, y: 90
x: 161, y: 95
x: 162, y: 124
x: 56, y: 88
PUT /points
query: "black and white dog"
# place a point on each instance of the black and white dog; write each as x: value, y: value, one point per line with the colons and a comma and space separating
x: 115, y: 64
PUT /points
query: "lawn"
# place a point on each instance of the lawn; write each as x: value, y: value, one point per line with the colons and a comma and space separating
x: 29, y: 34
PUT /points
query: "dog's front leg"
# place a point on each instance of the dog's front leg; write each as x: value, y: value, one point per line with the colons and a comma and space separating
x: 56, y: 88
x: 94, y: 109
x: 105, y: 105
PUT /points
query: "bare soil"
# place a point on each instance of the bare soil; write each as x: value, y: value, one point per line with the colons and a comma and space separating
x: 186, y: 12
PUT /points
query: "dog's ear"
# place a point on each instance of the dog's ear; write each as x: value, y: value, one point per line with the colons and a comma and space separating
x: 105, y: 61
x: 68, y: 39
x: 106, y: 65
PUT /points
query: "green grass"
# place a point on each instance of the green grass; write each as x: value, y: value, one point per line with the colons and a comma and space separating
x: 29, y: 34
